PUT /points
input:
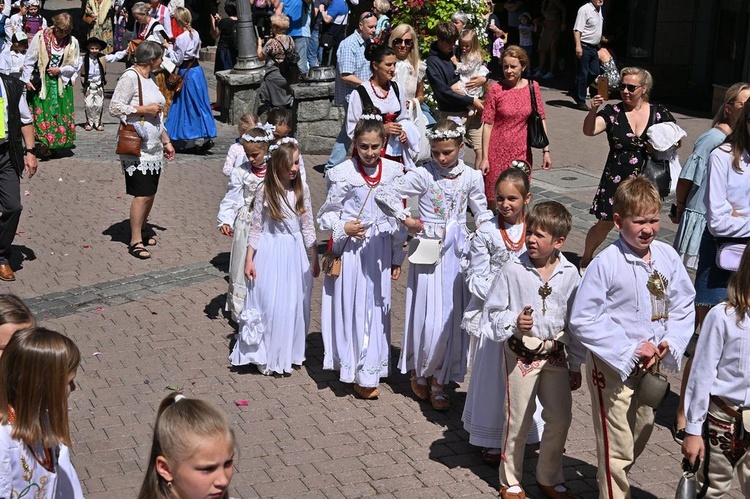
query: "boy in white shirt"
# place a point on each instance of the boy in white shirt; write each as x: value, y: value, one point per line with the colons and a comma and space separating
x: 717, y: 401
x: 633, y: 308
x: 527, y: 308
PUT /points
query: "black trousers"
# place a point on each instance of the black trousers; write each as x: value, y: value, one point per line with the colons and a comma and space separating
x: 10, y: 203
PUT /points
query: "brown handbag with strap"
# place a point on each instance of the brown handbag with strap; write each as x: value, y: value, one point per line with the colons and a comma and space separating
x: 128, y: 139
x: 174, y: 81
x: 331, y: 262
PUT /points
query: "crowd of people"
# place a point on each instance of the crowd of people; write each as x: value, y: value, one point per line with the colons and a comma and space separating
x: 488, y: 287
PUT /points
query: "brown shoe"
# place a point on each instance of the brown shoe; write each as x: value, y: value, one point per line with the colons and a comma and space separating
x: 512, y: 495
x: 6, y: 273
x: 438, y: 398
x: 366, y: 393
x: 421, y: 391
x: 549, y: 491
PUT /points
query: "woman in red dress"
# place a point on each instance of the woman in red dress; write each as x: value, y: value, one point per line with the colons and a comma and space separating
x: 508, y: 103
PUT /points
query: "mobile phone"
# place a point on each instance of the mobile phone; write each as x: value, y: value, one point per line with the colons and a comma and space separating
x: 528, y: 311
x: 602, y: 87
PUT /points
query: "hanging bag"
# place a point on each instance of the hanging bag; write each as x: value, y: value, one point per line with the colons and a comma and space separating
x: 175, y: 81
x: 653, y: 387
x: 128, y: 140
x: 537, y: 137
x: 331, y: 261
x: 420, y: 121
x: 657, y: 170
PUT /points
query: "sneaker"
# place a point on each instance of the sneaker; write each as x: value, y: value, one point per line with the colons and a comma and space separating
x: 537, y: 73
x: 547, y: 76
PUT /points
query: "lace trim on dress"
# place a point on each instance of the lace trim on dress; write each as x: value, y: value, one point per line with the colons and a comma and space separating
x: 131, y: 165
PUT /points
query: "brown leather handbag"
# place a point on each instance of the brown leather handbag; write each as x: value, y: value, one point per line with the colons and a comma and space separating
x: 128, y: 139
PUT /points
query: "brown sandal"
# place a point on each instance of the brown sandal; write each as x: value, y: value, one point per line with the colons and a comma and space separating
x: 365, y: 392
x: 438, y: 398
x: 422, y: 391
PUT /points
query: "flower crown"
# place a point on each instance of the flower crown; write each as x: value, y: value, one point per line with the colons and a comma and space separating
x: 284, y: 140
x: 266, y: 127
x: 459, y: 132
x: 375, y: 117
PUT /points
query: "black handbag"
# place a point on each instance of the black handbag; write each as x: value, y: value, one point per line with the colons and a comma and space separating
x: 658, y: 172
x: 537, y: 137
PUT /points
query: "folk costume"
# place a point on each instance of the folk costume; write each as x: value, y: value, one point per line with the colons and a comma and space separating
x: 716, y: 396
x: 103, y: 26
x: 273, y: 324
x: 434, y: 343
x: 94, y: 79
x: 356, y: 305
x: 531, y: 374
x: 235, y: 210
x: 190, y: 116
x: 622, y: 302
x: 52, y: 102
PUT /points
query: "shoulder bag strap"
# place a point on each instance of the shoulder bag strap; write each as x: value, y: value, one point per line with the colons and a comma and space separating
x: 533, y: 96
x: 140, y: 89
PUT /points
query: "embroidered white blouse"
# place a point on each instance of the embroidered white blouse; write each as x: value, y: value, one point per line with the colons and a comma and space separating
x: 611, y: 313
x: 721, y: 365
x: 516, y: 287
x: 22, y: 476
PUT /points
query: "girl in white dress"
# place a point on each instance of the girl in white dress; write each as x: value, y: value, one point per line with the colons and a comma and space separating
x: 274, y: 322
x: 493, y: 244
x: 435, y: 346
x: 356, y: 305
x: 235, y: 209
x: 34, y: 444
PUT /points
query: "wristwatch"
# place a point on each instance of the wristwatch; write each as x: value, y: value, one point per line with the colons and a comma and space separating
x: 32, y: 150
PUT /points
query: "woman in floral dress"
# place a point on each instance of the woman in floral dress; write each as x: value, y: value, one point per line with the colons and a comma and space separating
x: 102, y: 28
x: 120, y: 23
x: 55, y: 55
x: 626, y: 124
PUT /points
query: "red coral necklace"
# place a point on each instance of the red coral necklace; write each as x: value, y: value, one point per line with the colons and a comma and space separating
x: 374, y: 180
x: 509, y: 244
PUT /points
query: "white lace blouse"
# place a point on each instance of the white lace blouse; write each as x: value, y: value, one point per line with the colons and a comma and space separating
x: 124, y: 100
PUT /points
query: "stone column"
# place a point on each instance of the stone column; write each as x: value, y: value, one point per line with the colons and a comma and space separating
x: 247, y: 45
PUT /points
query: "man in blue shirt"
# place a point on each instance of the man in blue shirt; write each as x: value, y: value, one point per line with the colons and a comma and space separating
x: 353, y: 70
x: 298, y: 12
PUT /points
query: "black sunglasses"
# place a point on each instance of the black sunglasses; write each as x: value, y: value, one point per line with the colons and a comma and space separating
x: 400, y: 41
x: 366, y: 15
x: 628, y: 86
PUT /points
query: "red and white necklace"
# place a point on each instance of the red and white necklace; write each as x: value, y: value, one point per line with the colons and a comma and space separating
x: 373, y: 180
x: 509, y: 243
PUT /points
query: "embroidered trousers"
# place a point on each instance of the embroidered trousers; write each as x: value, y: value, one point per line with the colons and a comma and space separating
x: 548, y: 380
x: 622, y: 426
x: 93, y: 99
x: 725, y: 454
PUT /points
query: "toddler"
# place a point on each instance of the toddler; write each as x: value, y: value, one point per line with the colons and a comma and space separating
x: 470, y: 65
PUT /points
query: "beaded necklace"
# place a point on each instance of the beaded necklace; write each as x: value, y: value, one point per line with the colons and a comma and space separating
x: 381, y: 97
x: 374, y: 180
x: 509, y: 244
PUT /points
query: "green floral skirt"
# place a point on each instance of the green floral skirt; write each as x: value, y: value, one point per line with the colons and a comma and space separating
x: 54, y: 120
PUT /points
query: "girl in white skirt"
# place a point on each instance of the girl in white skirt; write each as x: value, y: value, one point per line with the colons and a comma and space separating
x: 435, y: 347
x: 235, y: 208
x: 274, y: 322
x: 493, y: 244
x: 356, y: 305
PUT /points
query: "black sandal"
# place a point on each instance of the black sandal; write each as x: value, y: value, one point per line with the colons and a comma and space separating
x: 149, y: 240
x: 139, y: 251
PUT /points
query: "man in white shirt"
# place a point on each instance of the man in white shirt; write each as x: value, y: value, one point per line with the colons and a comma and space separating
x: 587, y: 32
x: 17, y: 155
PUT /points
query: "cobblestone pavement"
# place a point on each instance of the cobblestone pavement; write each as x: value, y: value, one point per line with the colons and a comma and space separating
x: 143, y: 326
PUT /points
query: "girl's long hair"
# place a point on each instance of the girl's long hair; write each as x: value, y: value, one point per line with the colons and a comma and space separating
x: 738, y: 290
x: 475, y: 53
x: 281, y: 163
x: 739, y: 139
x: 180, y: 423
x: 34, y: 372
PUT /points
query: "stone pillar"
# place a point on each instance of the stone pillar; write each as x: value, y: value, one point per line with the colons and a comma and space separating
x: 318, y: 121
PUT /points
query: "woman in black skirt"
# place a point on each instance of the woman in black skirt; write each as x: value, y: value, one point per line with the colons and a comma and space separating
x: 138, y: 101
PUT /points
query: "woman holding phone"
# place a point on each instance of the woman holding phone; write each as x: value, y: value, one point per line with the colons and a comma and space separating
x: 626, y: 123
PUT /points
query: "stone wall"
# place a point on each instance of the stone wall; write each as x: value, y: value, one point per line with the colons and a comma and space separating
x: 317, y: 120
